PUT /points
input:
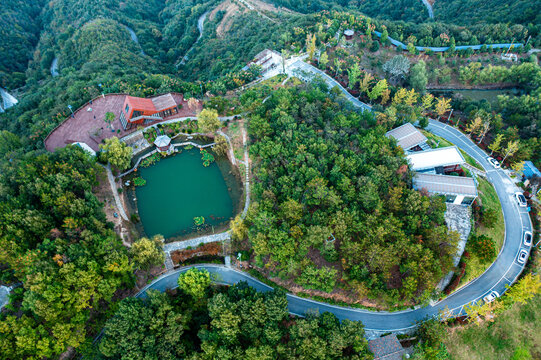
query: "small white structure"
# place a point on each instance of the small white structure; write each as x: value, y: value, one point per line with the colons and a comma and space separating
x: 408, y: 137
x: 163, y: 142
x: 509, y: 57
x: 436, y: 161
x: 457, y: 189
x: 85, y: 147
x: 267, y: 60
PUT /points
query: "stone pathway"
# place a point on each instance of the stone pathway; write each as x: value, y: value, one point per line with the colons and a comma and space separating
x: 181, y: 245
x: 247, y: 170
x: 458, y: 218
x: 168, y: 261
x: 475, y: 170
x: 119, y: 205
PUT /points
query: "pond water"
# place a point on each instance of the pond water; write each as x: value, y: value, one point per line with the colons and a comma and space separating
x: 179, y: 188
x: 476, y: 94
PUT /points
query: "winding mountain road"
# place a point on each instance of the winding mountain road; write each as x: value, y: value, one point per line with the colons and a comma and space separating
x: 445, y: 48
x: 429, y: 8
x: 504, y: 271
x: 201, y: 28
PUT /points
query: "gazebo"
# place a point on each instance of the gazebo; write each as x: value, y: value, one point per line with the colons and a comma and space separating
x: 349, y: 34
x: 163, y: 142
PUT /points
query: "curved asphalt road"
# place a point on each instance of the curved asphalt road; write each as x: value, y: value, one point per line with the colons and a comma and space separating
x: 503, y: 271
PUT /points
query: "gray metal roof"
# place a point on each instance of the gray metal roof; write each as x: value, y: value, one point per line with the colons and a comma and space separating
x: 407, y: 136
x: 445, y: 184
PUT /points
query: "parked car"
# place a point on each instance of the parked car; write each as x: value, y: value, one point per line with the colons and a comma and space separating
x: 491, y: 297
x: 528, y: 238
x: 493, y: 162
x: 522, y: 256
x: 521, y: 199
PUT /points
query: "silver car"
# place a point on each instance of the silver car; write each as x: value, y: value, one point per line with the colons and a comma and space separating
x: 522, y: 256
x: 527, y: 238
x: 521, y: 199
x: 493, y: 162
x: 491, y: 297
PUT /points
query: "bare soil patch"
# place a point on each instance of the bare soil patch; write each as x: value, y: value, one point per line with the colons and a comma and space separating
x: 231, y: 9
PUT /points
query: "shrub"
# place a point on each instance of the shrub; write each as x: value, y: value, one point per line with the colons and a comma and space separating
x: 139, y: 181
x: 484, y: 247
x: 318, y: 279
x: 489, y: 218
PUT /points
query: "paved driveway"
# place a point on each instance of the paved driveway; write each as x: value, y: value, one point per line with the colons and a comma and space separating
x: 503, y: 271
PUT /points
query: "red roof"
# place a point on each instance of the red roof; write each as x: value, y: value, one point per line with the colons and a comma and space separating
x: 137, y: 103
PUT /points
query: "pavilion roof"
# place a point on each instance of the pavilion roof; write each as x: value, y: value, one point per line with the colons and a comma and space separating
x: 162, y: 140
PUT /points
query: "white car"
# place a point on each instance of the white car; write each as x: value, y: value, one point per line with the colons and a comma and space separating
x: 521, y: 199
x: 522, y: 256
x: 528, y: 238
x: 491, y: 297
x: 493, y: 162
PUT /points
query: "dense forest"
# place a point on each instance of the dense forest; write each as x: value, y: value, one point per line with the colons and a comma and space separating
x: 56, y: 242
x: 333, y: 205
x: 470, y: 12
x: 224, y: 323
x: 406, y: 10
x: 19, y: 35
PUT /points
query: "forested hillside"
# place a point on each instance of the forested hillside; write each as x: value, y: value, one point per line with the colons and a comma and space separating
x: 19, y: 34
x: 333, y: 206
x: 406, y: 10
x: 470, y: 12
x: 225, y: 324
x: 55, y: 240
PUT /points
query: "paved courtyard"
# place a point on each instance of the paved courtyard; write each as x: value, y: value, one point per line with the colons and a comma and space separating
x: 88, y: 123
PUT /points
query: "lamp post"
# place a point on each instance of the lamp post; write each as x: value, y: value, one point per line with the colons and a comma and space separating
x: 70, y: 107
x: 101, y: 89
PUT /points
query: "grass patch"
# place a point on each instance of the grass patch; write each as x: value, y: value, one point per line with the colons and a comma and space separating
x: 517, y: 327
x: 435, y: 141
x: 489, y: 199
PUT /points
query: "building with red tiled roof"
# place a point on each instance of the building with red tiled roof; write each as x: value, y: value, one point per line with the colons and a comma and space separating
x: 141, y: 111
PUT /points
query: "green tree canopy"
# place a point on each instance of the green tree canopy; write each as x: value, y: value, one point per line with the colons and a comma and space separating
x: 194, y: 282
x: 116, y: 153
x: 148, y: 252
x: 208, y: 121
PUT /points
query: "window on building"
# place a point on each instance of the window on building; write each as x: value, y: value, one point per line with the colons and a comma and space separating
x: 450, y: 198
x: 468, y: 200
x: 127, y: 109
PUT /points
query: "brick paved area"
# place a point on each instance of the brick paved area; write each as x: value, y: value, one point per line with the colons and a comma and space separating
x: 89, y: 126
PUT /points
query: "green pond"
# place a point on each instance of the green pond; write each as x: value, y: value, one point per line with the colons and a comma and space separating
x: 179, y: 188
